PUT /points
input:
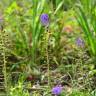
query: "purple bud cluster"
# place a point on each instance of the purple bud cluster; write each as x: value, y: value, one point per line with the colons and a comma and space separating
x: 44, y: 18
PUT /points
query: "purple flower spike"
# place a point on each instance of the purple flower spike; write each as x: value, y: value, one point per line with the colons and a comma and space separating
x: 44, y: 18
x: 57, y: 90
x: 80, y: 42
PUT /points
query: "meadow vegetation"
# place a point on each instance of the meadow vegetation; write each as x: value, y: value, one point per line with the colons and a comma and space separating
x: 48, y: 47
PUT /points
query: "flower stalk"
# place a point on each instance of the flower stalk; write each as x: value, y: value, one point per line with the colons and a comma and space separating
x: 4, y: 59
x: 47, y: 56
x: 44, y: 18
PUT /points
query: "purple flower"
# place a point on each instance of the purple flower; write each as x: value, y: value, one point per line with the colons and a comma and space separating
x: 80, y: 42
x: 44, y: 18
x: 57, y: 90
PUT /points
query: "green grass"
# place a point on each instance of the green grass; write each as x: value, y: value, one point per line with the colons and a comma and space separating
x: 27, y: 53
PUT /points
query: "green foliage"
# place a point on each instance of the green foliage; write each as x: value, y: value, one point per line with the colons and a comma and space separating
x: 78, y: 93
x: 67, y: 4
x: 93, y: 93
x: 88, y: 24
x: 26, y: 29
x: 18, y: 90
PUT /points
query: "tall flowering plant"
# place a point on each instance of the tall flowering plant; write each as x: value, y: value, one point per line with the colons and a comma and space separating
x: 44, y: 18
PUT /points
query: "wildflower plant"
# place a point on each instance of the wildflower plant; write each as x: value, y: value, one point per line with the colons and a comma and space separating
x: 79, y: 42
x: 45, y: 22
x: 3, y: 56
x: 57, y: 90
x: 4, y: 46
x: 4, y: 53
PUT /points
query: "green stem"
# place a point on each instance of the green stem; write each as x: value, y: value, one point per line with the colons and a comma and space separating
x: 47, y: 55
